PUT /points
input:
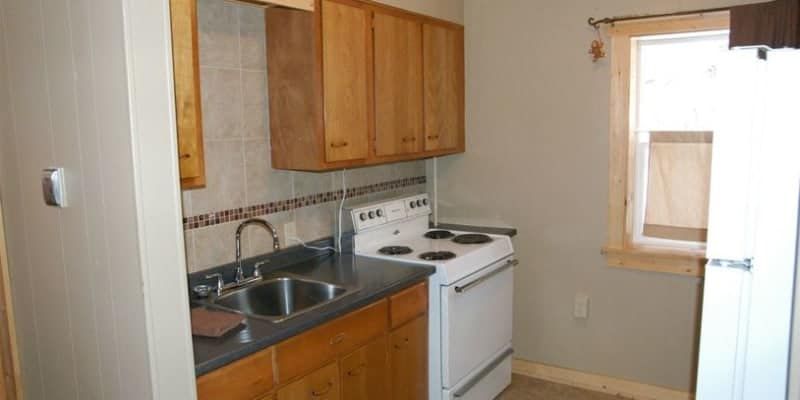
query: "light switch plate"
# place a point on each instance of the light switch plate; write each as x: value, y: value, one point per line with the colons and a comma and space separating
x: 53, y: 187
x: 581, y: 307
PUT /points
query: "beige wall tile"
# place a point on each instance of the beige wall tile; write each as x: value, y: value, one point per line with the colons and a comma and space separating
x: 221, y: 90
x: 254, y: 102
x: 186, y: 201
x: 259, y: 240
x: 315, y: 222
x: 306, y: 183
x: 225, y: 183
x: 214, y: 245
x: 218, y: 25
x: 252, y: 37
x: 264, y: 184
x: 188, y: 241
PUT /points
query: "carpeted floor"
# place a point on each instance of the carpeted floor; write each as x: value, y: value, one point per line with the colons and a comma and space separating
x: 525, y: 388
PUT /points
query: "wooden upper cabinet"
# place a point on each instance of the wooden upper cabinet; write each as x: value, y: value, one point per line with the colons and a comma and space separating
x: 348, y: 85
x: 398, y: 85
x: 345, y: 30
x: 444, y: 87
x: 187, y: 93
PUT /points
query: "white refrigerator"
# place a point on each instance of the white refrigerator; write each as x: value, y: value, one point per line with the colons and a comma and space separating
x: 748, y: 291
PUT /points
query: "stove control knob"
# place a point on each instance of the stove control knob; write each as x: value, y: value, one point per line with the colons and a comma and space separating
x: 425, y: 202
x: 371, y: 214
x: 379, y: 212
x: 362, y: 216
x: 412, y: 204
x: 419, y: 203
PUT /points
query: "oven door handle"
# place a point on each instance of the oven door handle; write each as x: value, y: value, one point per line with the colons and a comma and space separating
x: 476, y: 282
x: 477, y: 378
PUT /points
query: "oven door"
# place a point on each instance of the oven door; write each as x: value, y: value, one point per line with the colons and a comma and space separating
x: 476, y: 320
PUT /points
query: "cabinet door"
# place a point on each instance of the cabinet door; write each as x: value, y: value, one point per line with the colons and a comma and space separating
x: 322, y: 384
x: 345, y: 37
x: 398, y: 85
x: 187, y: 93
x: 365, y: 372
x: 408, y: 357
x: 444, y: 87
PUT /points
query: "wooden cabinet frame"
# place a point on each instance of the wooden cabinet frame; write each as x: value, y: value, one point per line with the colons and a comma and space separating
x: 296, y: 87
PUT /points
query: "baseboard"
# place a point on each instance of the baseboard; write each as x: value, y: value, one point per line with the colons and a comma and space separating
x: 598, y: 383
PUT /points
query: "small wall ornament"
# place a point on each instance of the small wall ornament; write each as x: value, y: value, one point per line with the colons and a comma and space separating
x: 597, y: 50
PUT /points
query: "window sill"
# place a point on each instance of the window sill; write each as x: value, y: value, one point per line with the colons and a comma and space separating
x: 657, y: 260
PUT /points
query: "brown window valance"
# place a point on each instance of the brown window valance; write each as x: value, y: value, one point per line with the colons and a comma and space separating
x: 772, y: 25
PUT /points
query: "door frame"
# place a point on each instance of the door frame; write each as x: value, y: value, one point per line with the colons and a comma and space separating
x: 9, y: 358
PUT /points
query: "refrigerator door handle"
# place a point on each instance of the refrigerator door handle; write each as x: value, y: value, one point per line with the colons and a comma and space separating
x: 745, y: 265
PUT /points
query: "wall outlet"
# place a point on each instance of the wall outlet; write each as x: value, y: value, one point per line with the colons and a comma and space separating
x: 290, y: 230
x: 581, y: 307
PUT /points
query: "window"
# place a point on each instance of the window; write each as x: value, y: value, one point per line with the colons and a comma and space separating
x: 663, y: 110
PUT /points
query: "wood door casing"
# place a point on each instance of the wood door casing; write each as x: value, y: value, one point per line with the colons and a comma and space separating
x: 365, y: 372
x: 322, y: 384
x: 443, y: 57
x: 345, y: 30
x: 398, y: 85
x: 408, y: 357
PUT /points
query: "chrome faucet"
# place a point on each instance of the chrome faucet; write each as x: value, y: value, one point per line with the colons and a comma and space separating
x: 276, y: 244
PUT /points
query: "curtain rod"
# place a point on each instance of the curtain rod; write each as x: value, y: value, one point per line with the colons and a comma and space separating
x: 595, y: 23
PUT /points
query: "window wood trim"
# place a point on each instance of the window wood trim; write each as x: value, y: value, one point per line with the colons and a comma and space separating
x: 620, y: 250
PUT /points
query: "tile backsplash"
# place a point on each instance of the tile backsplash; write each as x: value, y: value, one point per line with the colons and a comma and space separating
x: 239, y: 179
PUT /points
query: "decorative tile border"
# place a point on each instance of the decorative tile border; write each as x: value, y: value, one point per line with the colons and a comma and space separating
x: 235, y: 214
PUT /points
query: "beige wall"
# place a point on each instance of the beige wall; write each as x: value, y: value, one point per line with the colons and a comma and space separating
x: 451, y: 10
x: 537, y: 138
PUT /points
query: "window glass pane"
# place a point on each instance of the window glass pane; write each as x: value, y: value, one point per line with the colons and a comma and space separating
x: 677, y: 80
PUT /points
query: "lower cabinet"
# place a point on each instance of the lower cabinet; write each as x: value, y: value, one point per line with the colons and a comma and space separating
x: 365, y: 372
x: 322, y: 384
x: 378, y: 352
x: 408, y: 357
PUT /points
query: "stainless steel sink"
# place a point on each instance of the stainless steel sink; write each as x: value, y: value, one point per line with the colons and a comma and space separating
x: 282, y: 297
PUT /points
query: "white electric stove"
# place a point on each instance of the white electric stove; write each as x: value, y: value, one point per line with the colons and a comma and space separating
x: 470, y: 295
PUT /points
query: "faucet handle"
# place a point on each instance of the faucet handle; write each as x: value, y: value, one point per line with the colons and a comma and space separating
x: 257, y: 268
x: 220, y: 281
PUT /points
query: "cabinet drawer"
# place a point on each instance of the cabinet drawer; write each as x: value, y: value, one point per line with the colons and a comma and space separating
x: 408, y: 304
x: 245, y: 379
x: 309, y: 350
x: 322, y: 384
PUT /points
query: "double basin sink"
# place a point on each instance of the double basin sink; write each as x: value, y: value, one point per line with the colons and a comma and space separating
x: 279, y: 297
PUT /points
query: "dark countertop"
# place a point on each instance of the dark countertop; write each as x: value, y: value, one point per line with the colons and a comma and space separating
x: 511, y: 232
x: 376, y: 279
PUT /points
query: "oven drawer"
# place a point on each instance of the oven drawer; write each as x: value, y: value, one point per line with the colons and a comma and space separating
x: 487, y: 382
x: 483, y: 300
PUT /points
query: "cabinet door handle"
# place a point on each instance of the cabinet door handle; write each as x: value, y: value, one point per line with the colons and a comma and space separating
x: 357, y: 370
x: 408, y: 139
x: 337, y: 339
x: 322, y: 392
x: 337, y: 145
x: 185, y: 156
x: 402, y: 345
x: 433, y: 137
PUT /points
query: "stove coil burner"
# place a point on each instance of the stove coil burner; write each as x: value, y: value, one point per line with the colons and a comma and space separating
x: 437, y: 255
x: 439, y: 234
x: 395, y: 250
x: 472, y: 238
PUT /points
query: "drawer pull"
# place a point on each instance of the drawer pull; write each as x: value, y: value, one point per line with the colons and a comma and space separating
x: 408, y: 139
x: 337, y: 145
x: 185, y: 156
x: 433, y: 137
x: 356, y: 371
x: 337, y: 339
x: 402, y: 345
x: 322, y: 392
